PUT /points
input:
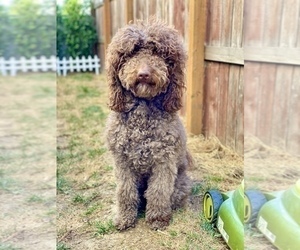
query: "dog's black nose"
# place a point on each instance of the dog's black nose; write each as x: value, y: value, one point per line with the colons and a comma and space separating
x: 143, y: 75
x: 143, y: 72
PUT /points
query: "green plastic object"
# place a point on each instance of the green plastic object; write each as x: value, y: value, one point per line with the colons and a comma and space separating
x: 279, y: 218
x: 275, y: 214
x: 226, y: 211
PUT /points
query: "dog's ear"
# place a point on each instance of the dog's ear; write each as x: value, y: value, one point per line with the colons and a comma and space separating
x: 117, y: 97
x: 167, y: 43
x: 120, y: 99
x: 122, y: 45
x: 172, y: 99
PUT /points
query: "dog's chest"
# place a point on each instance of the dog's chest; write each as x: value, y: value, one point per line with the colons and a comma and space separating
x: 144, y: 138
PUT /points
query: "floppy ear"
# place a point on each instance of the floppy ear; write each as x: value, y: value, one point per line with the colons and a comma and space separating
x: 116, y: 91
x: 172, y: 99
x: 122, y: 45
x: 117, y: 97
x: 167, y: 43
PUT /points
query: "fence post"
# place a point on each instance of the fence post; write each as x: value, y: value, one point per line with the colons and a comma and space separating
x: 53, y: 63
x: 83, y: 63
x: 43, y: 64
x: 77, y: 63
x: 23, y: 64
x: 97, y: 64
x: 12, y: 63
x: 64, y: 66
x: 71, y: 64
x: 2, y: 66
x: 195, y: 70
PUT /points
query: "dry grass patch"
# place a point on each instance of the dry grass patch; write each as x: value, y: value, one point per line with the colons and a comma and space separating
x: 27, y: 161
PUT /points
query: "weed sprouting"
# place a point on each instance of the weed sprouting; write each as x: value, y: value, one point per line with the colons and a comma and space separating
x: 197, y: 188
x: 103, y: 228
x: 62, y: 246
x: 35, y: 199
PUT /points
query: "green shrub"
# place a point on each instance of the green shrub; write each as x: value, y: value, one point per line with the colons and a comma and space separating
x: 76, y: 32
x: 29, y: 28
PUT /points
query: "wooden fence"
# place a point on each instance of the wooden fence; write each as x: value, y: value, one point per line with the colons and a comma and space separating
x: 223, y: 88
x: 214, y: 32
x: 272, y: 72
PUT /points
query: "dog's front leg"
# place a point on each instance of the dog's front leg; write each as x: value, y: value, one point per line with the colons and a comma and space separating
x: 158, y: 195
x: 127, y: 199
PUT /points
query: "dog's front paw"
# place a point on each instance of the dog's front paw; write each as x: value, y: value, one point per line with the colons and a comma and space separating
x: 160, y: 222
x: 124, y: 223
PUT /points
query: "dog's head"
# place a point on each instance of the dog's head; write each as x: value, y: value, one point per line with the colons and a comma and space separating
x: 146, y: 60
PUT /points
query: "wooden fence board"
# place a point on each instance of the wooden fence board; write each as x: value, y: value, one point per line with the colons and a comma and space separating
x: 254, y: 16
x: 271, y: 24
x: 251, y: 79
x: 266, y: 101
x: 210, y: 98
x: 226, y: 25
x: 289, y: 23
x: 179, y: 16
x: 239, y: 140
x: 152, y: 8
x: 293, y: 135
x: 222, y: 100
x: 237, y: 23
x: 280, y: 108
x: 213, y: 36
x: 232, y: 106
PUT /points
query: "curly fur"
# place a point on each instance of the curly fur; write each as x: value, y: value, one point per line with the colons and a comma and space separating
x: 145, y: 72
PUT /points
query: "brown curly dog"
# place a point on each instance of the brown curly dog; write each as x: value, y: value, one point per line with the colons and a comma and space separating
x: 145, y: 72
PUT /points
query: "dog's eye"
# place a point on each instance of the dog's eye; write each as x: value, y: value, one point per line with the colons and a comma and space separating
x: 171, y: 63
x: 136, y: 47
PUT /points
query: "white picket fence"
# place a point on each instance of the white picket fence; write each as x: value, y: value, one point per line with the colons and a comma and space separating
x: 62, y: 66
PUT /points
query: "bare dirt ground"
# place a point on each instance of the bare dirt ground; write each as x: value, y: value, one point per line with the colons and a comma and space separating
x: 86, y: 184
x: 27, y: 162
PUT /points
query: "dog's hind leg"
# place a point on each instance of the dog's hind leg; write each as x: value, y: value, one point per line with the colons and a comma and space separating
x: 181, y: 190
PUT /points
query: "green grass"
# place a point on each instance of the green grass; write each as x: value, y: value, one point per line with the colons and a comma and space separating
x: 62, y: 184
x: 81, y: 76
x: 96, y: 152
x: 9, y: 184
x: 197, y: 188
x: 4, y: 246
x: 35, y: 199
x: 103, y: 228
x: 86, y: 91
x: 62, y: 246
x: 91, y: 209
